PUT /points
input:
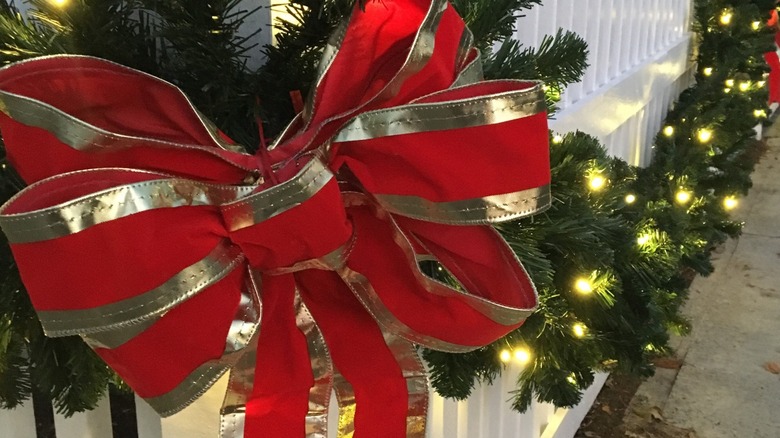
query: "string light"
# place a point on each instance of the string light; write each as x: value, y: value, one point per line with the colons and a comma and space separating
x: 59, y: 3
x: 727, y: 90
x: 669, y: 131
x: 505, y: 355
x: 579, y: 329
x: 630, y: 198
x: 759, y: 114
x: 683, y: 196
x: 729, y: 82
x: 760, y: 84
x: 755, y: 25
x: 522, y: 356
x: 744, y: 86
x: 725, y: 17
x: 557, y: 139
x: 596, y: 182
x: 583, y: 286
x: 643, y: 240
x: 707, y: 71
x: 730, y: 203
x: 571, y: 379
x: 704, y: 135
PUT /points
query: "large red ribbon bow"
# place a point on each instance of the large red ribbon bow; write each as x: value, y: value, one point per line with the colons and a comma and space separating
x: 155, y: 238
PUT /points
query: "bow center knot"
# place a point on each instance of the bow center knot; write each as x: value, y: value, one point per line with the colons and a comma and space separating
x: 297, y: 224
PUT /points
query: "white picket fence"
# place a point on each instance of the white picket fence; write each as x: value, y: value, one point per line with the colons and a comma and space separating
x: 640, y: 62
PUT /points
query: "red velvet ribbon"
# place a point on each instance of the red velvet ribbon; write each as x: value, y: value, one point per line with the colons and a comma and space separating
x: 142, y: 130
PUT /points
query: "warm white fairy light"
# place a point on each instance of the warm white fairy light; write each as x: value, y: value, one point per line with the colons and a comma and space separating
x: 630, y: 198
x: 727, y: 90
x: 505, y: 355
x: 755, y: 25
x: 759, y: 114
x: 571, y: 379
x: 643, y: 239
x: 707, y: 71
x: 557, y: 139
x: 760, y: 84
x: 704, y: 135
x: 579, y: 330
x: 522, y: 356
x: 583, y: 286
x: 59, y: 3
x: 729, y: 82
x: 683, y: 196
x: 669, y: 131
x: 596, y: 182
x: 725, y: 17
x: 744, y: 86
x: 730, y: 203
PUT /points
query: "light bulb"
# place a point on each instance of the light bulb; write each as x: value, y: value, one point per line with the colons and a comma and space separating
x: 725, y: 18
x: 669, y: 131
x: 744, y: 86
x: 704, y: 135
x: 730, y: 203
x: 683, y: 197
x: 760, y: 84
x: 755, y: 25
x: 707, y: 71
x: 557, y: 139
x: 729, y: 82
x: 630, y: 199
x: 583, y: 286
x: 571, y: 379
x: 522, y: 356
x: 596, y: 182
x: 59, y: 3
x: 727, y: 90
x: 505, y: 355
x: 759, y: 114
x: 643, y: 240
x: 579, y: 329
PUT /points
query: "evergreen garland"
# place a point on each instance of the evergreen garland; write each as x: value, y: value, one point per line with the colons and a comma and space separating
x: 612, y: 258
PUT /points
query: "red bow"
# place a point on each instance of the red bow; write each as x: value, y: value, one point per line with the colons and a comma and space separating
x: 151, y: 235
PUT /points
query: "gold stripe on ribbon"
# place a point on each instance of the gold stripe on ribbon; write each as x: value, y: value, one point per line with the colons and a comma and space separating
x: 264, y: 205
x: 366, y: 294
x: 122, y: 314
x: 322, y: 371
x: 192, y: 387
x: 79, y: 134
x: 111, y: 204
x: 456, y: 114
x: 465, y: 45
x: 9, y: 106
x: 326, y: 60
x: 485, y: 210
x: 238, y: 357
x: 243, y: 336
x: 416, y: 384
x: 471, y: 73
x: 364, y: 291
x: 345, y: 396
x: 420, y: 52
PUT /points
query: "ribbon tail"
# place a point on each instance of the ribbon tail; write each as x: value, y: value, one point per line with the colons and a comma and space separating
x: 388, y: 399
x: 283, y: 377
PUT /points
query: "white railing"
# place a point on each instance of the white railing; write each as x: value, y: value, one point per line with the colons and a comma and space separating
x: 639, y: 56
x: 639, y: 63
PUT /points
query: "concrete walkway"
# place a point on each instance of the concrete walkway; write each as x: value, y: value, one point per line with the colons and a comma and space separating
x: 727, y: 386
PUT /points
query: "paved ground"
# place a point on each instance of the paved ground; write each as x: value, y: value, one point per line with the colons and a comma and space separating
x: 729, y: 383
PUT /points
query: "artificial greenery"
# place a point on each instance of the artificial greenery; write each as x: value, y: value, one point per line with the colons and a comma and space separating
x: 612, y: 263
